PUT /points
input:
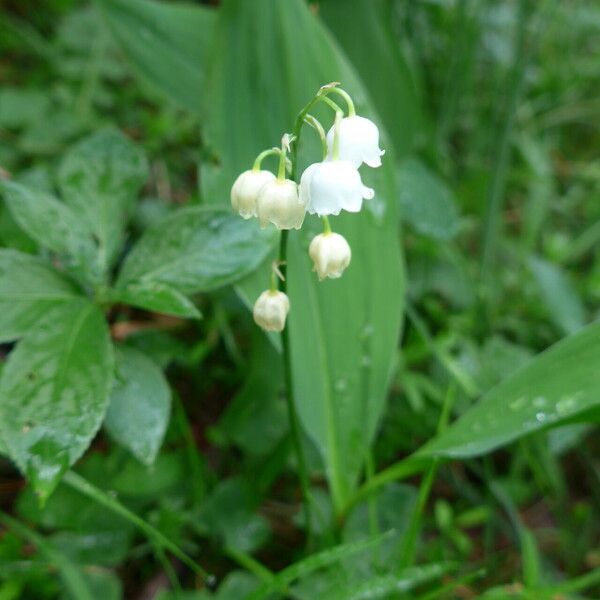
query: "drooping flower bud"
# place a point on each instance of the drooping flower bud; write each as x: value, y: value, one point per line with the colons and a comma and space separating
x: 278, y: 203
x: 271, y: 309
x: 245, y: 191
x: 358, y: 141
x: 328, y: 187
x: 330, y: 253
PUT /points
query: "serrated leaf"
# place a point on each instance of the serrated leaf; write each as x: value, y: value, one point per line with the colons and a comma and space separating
x: 99, y: 179
x: 54, y: 392
x: 140, y: 405
x: 29, y: 288
x: 54, y: 226
x: 197, y: 249
x: 343, y: 333
x: 157, y: 297
x: 426, y: 202
x: 558, y: 386
x: 168, y: 44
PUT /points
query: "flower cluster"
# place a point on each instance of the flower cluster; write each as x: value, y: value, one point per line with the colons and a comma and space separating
x: 326, y: 188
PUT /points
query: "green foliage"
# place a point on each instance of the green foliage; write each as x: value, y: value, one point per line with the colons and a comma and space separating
x: 146, y: 441
x: 54, y: 392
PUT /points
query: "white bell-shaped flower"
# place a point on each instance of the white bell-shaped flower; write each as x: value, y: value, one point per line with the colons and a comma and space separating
x: 245, y: 191
x: 330, y: 253
x: 278, y: 203
x: 328, y: 187
x: 271, y: 309
x: 358, y: 141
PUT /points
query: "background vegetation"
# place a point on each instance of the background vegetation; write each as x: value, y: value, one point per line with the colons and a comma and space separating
x: 448, y: 455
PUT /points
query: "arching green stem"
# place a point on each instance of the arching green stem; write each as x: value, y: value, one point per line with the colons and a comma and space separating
x: 335, y: 151
x: 315, y: 124
x: 346, y: 97
x: 263, y: 155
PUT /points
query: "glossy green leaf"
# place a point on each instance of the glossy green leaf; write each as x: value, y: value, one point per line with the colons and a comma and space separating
x: 29, y: 288
x: 343, y: 332
x: 558, y: 386
x: 54, y: 392
x: 426, y: 202
x: 56, y: 227
x: 167, y: 43
x: 364, y: 31
x: 386, y: 586
x: 157, y: 297
x: 197, y: 249
x: 140, y: 405
x: 559, y: 294
x: 99, y: 180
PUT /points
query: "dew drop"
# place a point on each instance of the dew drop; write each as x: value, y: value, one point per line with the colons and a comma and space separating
x: 539, y: 401
x: 566, y: 405
x: 517, y: 404
x: 541, y: 417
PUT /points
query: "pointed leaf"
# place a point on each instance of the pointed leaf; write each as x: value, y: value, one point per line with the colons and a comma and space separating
x: 197, y: 249
x: 29, y: 288
x: 140, y: 405
x: 55, y: 226
x: 167, y: 43
x: 99, y: 179
x: 54, y: 392
x: 558, y: 386
x: 157, y: 297
x: 343, y: 333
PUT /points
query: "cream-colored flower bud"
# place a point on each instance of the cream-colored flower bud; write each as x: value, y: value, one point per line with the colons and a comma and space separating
x: 271, y: 309
x: 331, y: 254
x: 245, y: 190
x: 278, y: 203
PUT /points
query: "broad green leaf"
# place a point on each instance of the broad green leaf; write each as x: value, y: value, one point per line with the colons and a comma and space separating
x: 197, y: 249
x: 558, y: 386
x: 364, y: 31
x: 386, y: 586
x: 21, y: 106
x: 54, y: 392
x: 167, y: 43
x: 558, y: 294
x: 157, y: 297
x: 99, y: 180
x: 312, y: 563
x: 29, y: 288
x: 140, y: 405
x: 426, y: 202
x: 343, y: 332
x: 56, y: 227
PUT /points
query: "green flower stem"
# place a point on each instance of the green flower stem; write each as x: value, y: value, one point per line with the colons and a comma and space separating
x: 347, y: 98
x: 263, y: 155
x: 289, y: 395
x: 281, y: 169
x: 335, y: 151
x: 314, y: 123
x: 336, y: 107
x: 326, y: 225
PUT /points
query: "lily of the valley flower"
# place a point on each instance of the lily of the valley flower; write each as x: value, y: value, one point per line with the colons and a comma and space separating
x: 358, y: 141
x: 330, y: 253
x: 245, y: 191
x: 271, y: 309
x: 278, y: 203
x: 328, y: 187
